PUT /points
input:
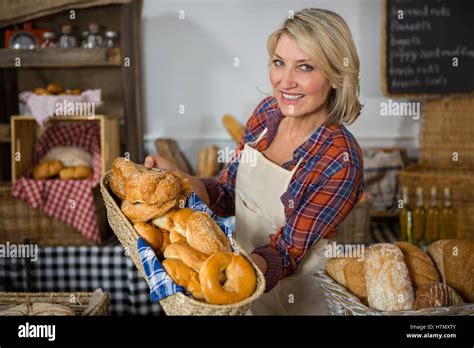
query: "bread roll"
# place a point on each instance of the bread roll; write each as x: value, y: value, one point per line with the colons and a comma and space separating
x: 190, y: 256
x: 388, y: 282
x: 184, y: 276
x: 140, y: 212
x: 436, y: 295
x: 458, y: 259
x: 435, y: 250
x: 203, y: 234
x: 180, y: 217
x: 166, y: 242
x: 152, y: 235
x: 70, y: 156
x: 420, y: 266
x: 175, y: 237
x: 335, y: 269
x: 75, y: 173
x: 55, y: 88
x: 355, y: 278
x: 47, y: 170
x: 152, y: 188
x: 122, y: 171
x: 165, y: 221
x: 240, y: 283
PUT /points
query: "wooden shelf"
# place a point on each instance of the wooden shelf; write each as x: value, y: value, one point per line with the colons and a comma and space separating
x: 61, y: 58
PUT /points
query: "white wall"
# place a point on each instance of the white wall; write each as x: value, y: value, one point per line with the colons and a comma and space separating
x: 190, y: 62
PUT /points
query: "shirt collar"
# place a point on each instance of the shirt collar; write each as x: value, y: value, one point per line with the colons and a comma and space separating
x: 310, y: 147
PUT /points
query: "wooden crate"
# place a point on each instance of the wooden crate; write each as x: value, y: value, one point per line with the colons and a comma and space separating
x: 447, y: 131
x: 25, y: 131
x: 460, y: 182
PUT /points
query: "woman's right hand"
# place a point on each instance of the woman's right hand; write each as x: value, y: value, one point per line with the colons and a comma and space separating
x: 157, y: 161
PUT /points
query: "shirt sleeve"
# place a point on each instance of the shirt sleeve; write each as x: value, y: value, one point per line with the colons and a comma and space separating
x: 321, y: 210
x: 221, y: 190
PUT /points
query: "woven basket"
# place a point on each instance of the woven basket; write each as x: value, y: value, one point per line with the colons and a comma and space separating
x: 355, y: 229
x: 177, y: 304
x: 78, y: 301
x: 18, y: 223
x: 342, y: 302
x: 447, y: 128
x: 461, y: 183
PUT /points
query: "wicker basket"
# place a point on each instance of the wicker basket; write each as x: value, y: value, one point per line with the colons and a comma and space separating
x: 355, y: 229
x: 18, y: 223
x: 177, y: 304
x: 461, y: 183
x: 342, y: 302
x: 80, y: 302
x: 447, y: 128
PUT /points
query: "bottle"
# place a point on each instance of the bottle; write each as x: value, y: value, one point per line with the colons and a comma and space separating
x: 448, y: 218
x: 84, y: 36
x: 405, y: 217
x: 111, y: 39
x: 94, y: 39
x: 67, y: 40
x: 49, y: 39
x: 418, y: 218
x: 432, y: 219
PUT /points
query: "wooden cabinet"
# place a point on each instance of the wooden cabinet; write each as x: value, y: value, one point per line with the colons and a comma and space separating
x: 116, y: 71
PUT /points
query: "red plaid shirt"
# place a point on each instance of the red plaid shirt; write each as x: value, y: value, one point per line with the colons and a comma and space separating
x: 324, y: 189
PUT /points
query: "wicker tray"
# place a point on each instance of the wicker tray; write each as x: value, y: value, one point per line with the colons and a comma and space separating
x: 342, y: 302
x: 177, y: 304
x: 78, y: 301
x: 18, y: 223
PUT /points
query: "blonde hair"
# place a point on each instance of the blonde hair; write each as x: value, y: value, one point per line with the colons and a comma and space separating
x: 325, y: 37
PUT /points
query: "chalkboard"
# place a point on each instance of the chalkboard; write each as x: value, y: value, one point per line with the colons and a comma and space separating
x: 428, y: 47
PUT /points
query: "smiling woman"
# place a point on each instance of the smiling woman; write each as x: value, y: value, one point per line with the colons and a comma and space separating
x: 297, y: 172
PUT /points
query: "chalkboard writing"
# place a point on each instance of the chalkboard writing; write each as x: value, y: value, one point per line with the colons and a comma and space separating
x: 429, y: 47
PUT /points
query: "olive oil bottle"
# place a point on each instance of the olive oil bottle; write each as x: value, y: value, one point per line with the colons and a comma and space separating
x: 448, y: 218
x: 405, y: 217
x: 432, y: 219
x: 419, y: 215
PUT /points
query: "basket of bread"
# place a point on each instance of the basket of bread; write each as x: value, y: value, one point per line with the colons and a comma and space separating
x: 402, y: 279
x: 192, y: 266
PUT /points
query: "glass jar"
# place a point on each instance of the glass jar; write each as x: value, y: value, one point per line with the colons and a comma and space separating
x: 49, y: 40
x: 67, y: 40
x: 84, y: 36
x: 94, y: 39
x: 111, y: 38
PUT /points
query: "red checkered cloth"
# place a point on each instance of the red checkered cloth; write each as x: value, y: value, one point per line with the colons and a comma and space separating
x: 70, y: 201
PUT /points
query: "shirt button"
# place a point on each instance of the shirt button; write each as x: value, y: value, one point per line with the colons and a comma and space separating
x: 297, y: 155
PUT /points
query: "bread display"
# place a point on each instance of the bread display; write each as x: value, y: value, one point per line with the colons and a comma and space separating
x: 401, y: 276
x: 420, y: 266
x: 47, y: 170
x: 458, y: 260
x: 183, y: 239
x: 389, y: 287
x: 436, y: 295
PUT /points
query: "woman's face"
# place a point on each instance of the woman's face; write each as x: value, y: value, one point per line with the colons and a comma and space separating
x: 300, y: 87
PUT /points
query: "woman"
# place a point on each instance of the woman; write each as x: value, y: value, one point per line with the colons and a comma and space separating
x: 298, y: 172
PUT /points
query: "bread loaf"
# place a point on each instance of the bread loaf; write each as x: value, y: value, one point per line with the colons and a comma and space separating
x: 420, y: 266
x: 387, y: 279
x: 435, y: 251
x: 355, y: 278
x: 205, y: 235
x: 458, y: 260
x: 70, y: 156
x: 436, y: 295
x: 335, y: 269
x: 47, y: 170
x: 75, y: 173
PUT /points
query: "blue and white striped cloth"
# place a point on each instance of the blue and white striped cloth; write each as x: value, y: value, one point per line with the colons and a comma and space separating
x: 161, y: 284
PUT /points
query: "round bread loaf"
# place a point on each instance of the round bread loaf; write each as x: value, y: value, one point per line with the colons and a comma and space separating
x: 436, y: 295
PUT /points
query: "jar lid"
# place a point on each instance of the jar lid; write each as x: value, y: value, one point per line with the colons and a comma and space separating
x: 111, y: 34
x: 49, y: 35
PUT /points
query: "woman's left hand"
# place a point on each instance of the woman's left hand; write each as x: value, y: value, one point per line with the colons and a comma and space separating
x: 260, y: 262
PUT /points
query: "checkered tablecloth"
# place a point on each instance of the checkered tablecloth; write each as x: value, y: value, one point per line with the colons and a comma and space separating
x: 64, y: 269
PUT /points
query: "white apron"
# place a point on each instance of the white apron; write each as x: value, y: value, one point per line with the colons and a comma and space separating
x: 259, y: 212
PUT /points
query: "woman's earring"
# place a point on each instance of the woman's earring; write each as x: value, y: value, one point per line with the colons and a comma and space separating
x: 334, y: 86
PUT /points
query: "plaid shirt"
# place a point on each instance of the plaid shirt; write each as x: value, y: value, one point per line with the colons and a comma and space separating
x: 324, y: 189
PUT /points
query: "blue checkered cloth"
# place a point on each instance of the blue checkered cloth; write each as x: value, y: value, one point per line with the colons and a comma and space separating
x: 161, y: 284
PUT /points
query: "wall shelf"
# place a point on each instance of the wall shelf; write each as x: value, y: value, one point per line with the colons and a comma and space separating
x: 60, y: 58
